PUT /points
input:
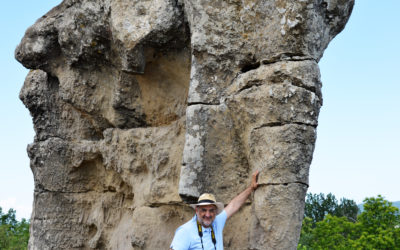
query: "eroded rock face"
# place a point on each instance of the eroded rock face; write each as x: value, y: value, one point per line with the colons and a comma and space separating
x: 140, y: 106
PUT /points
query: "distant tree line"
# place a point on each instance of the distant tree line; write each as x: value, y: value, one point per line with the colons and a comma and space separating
x: 329, y: 224
x: 14, y: 234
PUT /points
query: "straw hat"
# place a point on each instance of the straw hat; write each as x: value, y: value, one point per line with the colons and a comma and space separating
x: 208, y: 199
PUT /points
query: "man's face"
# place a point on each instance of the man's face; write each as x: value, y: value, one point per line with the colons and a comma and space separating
x: 206, y: 214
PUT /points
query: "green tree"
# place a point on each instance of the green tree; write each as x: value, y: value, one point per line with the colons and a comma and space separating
x: 331, y: 233
x: 307, y: 233
x: 14, y: 235
x: 377, y: 227
x: 347, y: 208
x: 318, y: 206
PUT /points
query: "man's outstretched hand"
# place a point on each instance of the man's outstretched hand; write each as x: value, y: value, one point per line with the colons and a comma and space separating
x: 254, y: 178
x: 239, y: 200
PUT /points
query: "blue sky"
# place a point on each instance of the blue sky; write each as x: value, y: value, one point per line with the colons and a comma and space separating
x: 358, y: 142
x: 358, y: 145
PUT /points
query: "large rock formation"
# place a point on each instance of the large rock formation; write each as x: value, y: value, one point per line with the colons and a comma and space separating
x: 140, y: 106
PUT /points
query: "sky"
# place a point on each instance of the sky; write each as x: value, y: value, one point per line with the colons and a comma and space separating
x: 358, y: 138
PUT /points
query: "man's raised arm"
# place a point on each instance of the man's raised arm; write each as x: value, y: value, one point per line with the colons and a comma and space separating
x: 239, y: 200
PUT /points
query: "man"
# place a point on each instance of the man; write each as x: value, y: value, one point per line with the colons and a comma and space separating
x: 204, y: 230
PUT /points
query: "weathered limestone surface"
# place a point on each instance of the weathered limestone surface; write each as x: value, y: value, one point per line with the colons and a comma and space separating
x: 141, y: 106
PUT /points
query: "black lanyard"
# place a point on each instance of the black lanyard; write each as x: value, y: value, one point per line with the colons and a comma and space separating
x: 200, y: 230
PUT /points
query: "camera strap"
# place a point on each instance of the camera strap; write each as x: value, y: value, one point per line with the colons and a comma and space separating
x: 200, y: 230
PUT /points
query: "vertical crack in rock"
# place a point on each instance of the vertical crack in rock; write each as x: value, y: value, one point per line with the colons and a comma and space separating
x: 140, y: 106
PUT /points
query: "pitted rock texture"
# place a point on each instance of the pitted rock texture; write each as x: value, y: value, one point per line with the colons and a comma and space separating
x: 141, y: 106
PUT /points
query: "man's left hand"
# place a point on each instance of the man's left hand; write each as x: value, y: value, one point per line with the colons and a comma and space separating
x: 254, y: 183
